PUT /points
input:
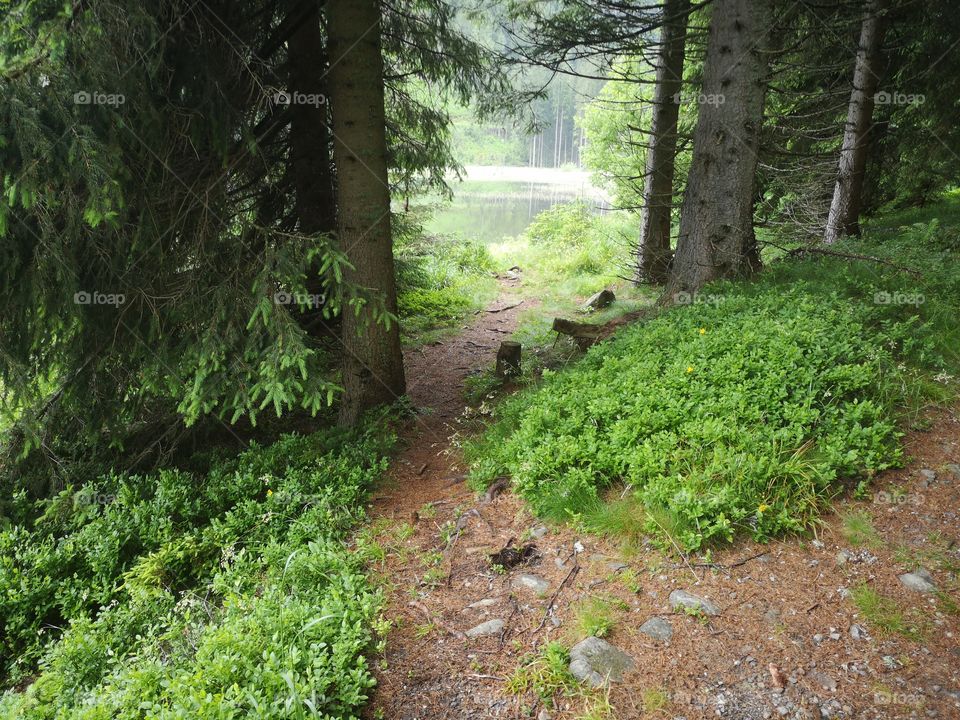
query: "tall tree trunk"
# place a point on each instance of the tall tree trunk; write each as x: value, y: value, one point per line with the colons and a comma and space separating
x: 716, y: 237
x: 373, y: 363
x: 653, y: 263
x: 310, y: 164
x: 844, y: 215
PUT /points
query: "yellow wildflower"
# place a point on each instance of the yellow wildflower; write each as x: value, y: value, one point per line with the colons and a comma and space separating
x: 762, y: 508
x: 689, y: 368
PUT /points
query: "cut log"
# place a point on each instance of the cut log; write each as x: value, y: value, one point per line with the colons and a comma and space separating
x: 599, y: 301
x: 508, y: 359
x: 583, y: 335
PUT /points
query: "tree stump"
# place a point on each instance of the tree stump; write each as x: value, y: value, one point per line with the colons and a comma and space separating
x: 508, y: 359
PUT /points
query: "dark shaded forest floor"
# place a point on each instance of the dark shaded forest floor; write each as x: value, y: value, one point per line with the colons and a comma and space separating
x: 828, y: 618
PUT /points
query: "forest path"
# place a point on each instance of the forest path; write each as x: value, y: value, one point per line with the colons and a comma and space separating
x: 787, y: 609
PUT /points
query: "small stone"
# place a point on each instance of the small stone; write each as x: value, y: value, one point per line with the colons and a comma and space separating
x: 929, y: 475
x: 544, y: 715
x: 818, y: 544
x: 817, y: 639
x: 859, y: 632
x: 485, y: 603
x: 658, y: 629
x: 953, y: 468
x: 834, y: 636
x: 890, y: 662
x: 844, y: 556
x: 490, y: 627
x: 539, y: 531
x: 527, y: 581
x: 616, y: 566
x: 919, y: 580
x: 824, y: 680
x: 578, y: 547
x: 596, y: 662
x: 682, y: 599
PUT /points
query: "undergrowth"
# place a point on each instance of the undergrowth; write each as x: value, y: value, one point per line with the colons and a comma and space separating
x: 751, y: 406
x: 180, y: 596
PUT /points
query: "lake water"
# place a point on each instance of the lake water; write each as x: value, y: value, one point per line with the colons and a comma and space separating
x: 497, y: 202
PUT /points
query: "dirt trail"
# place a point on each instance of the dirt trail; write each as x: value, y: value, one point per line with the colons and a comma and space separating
x: 787, y: 603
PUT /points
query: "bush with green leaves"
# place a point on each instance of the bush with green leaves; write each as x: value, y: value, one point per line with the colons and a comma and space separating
x: 746, y: 409
x: 226, y: 595
x: 441, y: 280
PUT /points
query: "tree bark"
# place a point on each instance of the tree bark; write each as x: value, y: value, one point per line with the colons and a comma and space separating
x: 844, y: 215
x: 310, y: 163
x: 372, y: 363
x: 653, y: 263
x: 309, y: 128
x: 716, y: 237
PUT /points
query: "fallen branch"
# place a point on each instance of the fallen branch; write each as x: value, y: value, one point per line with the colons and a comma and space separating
x: 796, y: 252
x: 434, y: 621
x: 505, y: 307
x: 546, y: 613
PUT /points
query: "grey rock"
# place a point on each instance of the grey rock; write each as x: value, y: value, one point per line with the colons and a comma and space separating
x: 953, y: 468
x: 539, y: 531
x: 844, y: 556
x: 485, y: 603
x: 600, y: 300
x: 859, y: 632
x: 490, y: 627
x: 658, y: 629
x: 680, y: 599
x: 544, y: 715
x: 928, y: 474
x: 596, y: 662
x: 617, y: 566
x: 920, y: 580
x: 527, y: 581
x: 824, y: 680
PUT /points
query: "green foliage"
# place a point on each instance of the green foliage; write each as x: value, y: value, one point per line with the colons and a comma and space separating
x: 745, y: 410
x: 858, y: 530
x: 440, y: 279
x: 546, y: 674
x: 225, y: 595
x: 883, y: 613
x: 594, y: 616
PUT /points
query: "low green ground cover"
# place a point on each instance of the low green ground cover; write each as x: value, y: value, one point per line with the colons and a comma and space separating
x: 179, y: 595
x: 748, y: 407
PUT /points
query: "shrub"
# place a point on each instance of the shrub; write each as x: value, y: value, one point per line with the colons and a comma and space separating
x: 231, y: 594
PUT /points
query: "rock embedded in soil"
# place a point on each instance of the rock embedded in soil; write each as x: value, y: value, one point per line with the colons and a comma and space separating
x: 681, y: 600
x: 658, y: 629
x: 485, y: 603
x: 596, y: 662
x: 539, y: 531
x: 919, y: 580
x: 490, y: 627
x: 599, y: 300
x: 527, y: 581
